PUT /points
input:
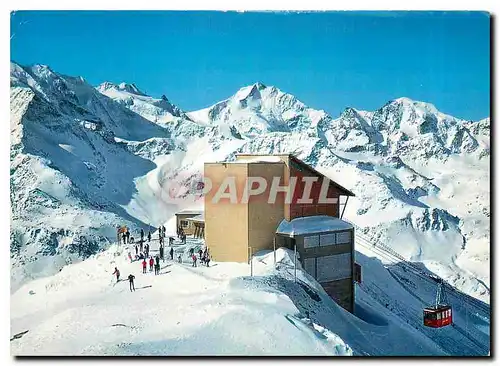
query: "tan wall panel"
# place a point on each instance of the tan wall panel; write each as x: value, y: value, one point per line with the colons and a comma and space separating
x: 226, y: 224
x: 263, y: 217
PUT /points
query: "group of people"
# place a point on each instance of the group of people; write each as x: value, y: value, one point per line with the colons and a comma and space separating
x: 142, y: 252
x: 142, y: 235
x: 131, y: 278
x: 161, y: 234
x: 125, y: 236
x: 181, y: 235
x: 162, y: 252
x: 153, y: 264
x: 203, y: 255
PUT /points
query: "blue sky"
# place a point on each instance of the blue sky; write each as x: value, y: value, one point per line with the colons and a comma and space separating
x: 329, y: 60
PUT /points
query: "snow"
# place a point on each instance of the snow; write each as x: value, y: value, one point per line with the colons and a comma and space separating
x: 188, y: 211
x: 311, y: 225
x: 259, y: 159
x: 85, y: 159
x: 184, y: 311
x: 197, y: 218
x: 221, y: 310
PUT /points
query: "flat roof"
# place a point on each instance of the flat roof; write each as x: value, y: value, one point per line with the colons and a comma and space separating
x: 190, y: 212
x: 312, y: 225
x: 198, y: 218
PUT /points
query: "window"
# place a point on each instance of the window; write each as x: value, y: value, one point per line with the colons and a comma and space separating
x: 327, y: 239
x: 344, y: 237
x: 438, y: 316
x: 334, y: 267
x: 184, y: 223
x: 311, y: 241
x: 430, y: 316
x: 310, y: 266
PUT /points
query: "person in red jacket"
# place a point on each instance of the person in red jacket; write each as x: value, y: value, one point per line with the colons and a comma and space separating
x: 144, y: 265
x: 151, y: 264
x: 117, y: 273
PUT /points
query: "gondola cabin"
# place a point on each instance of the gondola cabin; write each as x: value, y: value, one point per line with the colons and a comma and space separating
x: 437, y: 317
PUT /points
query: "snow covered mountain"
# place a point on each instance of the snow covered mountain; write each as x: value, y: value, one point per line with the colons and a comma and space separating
x: 85, y: 159
x: 258, y: 109
x: 156, y: 110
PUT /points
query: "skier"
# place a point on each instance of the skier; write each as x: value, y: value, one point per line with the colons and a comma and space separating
x: 194, y: 257
x: 171, y: 253
x: 179, y: 258
x: 147, y: 250
x: 117, y: 273
x: 157, y: 265
x: 207, y: 259
x: 136, y: 250
x: 149, y: 236
x: 144, y: 265
x: 142, y: 236
x: 127, y: 235
x: 151, y: 263
x: 124, y: 238
x: 200, y: 253
x: 131, y: 282
x: 162, y: 253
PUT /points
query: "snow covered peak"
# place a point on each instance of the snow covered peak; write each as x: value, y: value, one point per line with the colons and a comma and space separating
x: 423, y: 106
x: 154, y: 109
x: 251, y: 91
x: 129, y: 88
x: 106, y: 85
x: 257, y: 109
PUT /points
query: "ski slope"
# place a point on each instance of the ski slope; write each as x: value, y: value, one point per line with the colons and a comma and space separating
x: 221, y: 310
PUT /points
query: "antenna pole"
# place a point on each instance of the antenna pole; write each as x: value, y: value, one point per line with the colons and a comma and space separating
x: 251, y: 262
x: 274, y: 250
x: 295, y: 262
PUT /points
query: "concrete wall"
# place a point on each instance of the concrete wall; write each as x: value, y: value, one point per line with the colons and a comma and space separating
x: 226, y: 223
x: 264, y: 218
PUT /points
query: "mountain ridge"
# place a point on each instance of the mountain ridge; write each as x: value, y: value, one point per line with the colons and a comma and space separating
x: 117, y: 151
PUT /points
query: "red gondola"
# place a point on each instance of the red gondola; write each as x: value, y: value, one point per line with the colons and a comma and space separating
x: 440, y: 314
x: 437, y: 318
